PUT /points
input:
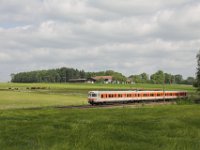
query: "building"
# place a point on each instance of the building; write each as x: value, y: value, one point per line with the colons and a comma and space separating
x: 105, y: 79
x: 82, y: 80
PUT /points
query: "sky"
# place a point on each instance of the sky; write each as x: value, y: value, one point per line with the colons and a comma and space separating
x: 128, y: 36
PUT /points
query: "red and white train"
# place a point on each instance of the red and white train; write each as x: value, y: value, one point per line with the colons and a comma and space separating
x: 102, y: 97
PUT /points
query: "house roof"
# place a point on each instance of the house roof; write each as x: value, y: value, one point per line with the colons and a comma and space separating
x: 103, y: 77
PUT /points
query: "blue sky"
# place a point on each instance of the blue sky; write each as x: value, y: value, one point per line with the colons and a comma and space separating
x: 131, y: 36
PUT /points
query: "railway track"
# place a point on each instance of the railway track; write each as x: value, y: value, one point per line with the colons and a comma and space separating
x: 115, y: 105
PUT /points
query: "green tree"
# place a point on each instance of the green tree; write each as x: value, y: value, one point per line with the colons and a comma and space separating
x: 141, y: 78
x: 136, y: 78
x: 198, y: 71
x: 190, y: 80
x: 145, y: 77
x: 168, y: 78
x: 158, y: 77
x: 178, y: 79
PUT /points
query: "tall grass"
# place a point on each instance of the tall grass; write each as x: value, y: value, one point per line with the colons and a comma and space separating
x: 164, y: 127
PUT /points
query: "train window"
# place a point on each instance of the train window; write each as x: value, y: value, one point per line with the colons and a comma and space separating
x: 101, y: 95
x: 144, y: 95
x: 151, y: 94
x: 128, y: 95
x: 93, y: 95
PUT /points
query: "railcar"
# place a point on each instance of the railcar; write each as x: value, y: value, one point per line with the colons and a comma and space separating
x: 102, y: 97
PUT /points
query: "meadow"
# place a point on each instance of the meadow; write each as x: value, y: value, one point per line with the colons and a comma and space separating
x: 13, y: 95
x: 159, y: 127
x: 30, y: 121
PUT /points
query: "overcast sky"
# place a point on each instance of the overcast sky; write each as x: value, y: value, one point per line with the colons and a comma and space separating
x: 129, y: 36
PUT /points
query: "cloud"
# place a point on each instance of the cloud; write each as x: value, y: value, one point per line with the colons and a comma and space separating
x: 130, y: 36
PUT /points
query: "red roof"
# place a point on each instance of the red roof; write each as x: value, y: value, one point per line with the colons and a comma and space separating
x: 103, y: 77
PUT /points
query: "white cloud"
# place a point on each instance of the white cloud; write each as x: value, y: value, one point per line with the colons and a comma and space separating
x: 131, y: 36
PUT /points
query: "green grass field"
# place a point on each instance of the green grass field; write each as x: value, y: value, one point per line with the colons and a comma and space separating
x: 162, y: 127
x: 22, y: 96
x: 169, y: 127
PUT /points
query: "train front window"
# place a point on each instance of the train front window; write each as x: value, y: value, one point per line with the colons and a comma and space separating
x: 92, y: 95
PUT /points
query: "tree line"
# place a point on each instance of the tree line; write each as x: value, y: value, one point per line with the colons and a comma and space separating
x: 160, y: 77
x: 62, y: 75
x: 51, y: 75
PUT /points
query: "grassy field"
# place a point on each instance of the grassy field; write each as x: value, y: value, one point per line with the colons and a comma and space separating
x: 160, y: 127
x: 84, y: 87
x: 171, y: 127
x: 23, y: 96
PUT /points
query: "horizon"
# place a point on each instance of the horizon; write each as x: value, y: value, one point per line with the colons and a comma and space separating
x: 127, y: 76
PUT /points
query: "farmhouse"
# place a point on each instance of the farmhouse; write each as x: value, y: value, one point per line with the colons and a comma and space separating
x: 82, y: 80
x: 105, y: 79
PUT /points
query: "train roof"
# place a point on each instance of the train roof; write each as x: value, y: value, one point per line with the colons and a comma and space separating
x: 129, y: 91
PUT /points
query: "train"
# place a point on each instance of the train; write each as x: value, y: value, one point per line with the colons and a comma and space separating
x: 104, y: 97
